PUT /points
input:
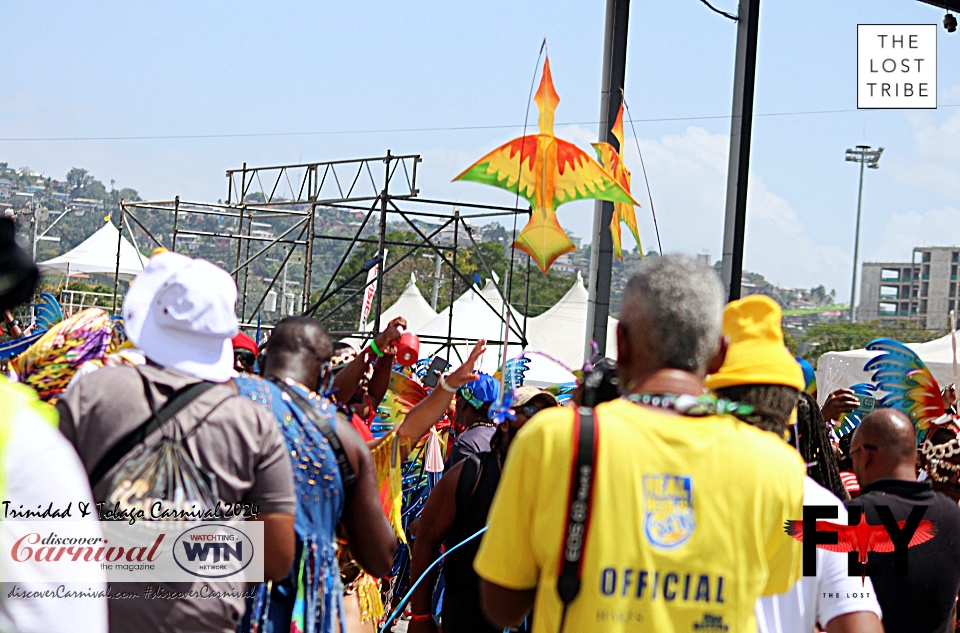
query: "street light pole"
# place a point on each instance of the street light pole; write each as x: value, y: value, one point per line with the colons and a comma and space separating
x: 869, y: 158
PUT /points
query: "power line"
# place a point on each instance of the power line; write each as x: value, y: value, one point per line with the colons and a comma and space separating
x: 723, y: 13
x: 462, y: 128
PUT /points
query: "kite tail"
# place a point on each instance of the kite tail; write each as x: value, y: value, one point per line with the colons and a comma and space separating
x: 615, y: 234
x: 630, y: 218
x: 543, y: 239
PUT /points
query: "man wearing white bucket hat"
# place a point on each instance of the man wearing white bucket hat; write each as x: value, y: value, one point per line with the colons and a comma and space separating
x: 180, y: 313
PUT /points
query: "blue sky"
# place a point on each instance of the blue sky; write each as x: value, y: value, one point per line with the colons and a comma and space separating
x: 354, y: 69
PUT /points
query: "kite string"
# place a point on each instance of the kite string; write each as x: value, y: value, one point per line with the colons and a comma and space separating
x: 644, y: 168
x: 516, y: 206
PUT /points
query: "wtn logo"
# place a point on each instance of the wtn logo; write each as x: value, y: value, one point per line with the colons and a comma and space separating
x: 221, y: 551
x: 213, y: 551
x: 859, y: 538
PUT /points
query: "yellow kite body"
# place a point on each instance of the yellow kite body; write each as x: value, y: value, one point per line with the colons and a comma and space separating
x: 547, y: 171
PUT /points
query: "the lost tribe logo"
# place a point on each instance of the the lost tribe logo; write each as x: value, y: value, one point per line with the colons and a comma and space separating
x: 859, y: 538
x: 213, y: 551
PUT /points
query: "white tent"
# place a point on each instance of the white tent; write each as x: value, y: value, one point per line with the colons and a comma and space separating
x: 836, y: 370
x: 98, y: 254
x: 561, y: 331
x: 410, y: 305
x: 473, y: 318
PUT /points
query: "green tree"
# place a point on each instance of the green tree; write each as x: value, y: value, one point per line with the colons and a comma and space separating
x: 840, y: 337
x: 77, y: 179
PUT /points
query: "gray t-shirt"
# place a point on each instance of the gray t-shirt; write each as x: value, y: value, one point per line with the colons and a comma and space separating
x: 239, y: 443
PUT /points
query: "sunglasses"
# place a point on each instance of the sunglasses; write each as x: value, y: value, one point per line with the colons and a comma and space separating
x: 244, y: 356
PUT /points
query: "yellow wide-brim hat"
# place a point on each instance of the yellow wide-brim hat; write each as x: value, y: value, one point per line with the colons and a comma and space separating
x: 756, y: 354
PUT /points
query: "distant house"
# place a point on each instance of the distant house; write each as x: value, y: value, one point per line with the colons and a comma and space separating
x: 34, y: 189
x: 57, y: 195
x: 5, y: 184
x: 82, y: 205
x: 5, y: 194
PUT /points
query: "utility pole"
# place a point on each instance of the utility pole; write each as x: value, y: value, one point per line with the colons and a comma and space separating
x: 601, y: 249
x: 436, y: 281
x: 871, y: 158
x: 741, y: 128
x: 33, y: 239
x: 284, y: 309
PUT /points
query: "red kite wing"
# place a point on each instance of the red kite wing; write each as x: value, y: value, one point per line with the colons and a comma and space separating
x: 846, y: 535
x: 883, y: 543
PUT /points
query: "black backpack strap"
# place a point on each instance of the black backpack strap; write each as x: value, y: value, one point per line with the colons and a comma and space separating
x: 467, y: 484
x: 157, y: 418
x: 347, y: 475
x: 582, y: 483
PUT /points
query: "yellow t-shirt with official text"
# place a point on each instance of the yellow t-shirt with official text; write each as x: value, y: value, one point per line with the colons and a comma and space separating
x: 685, y: 530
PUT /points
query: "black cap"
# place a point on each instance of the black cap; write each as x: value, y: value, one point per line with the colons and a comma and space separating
x: 18, y: 273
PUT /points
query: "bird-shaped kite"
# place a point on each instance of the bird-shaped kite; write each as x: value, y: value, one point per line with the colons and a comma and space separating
x: 910, y: 386
x: 612, y: 161
x: 547, y: 171
x: 862, y: 538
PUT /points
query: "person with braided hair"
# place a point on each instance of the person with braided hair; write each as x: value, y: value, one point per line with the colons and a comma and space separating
x: 813, y: 441
x: 760, y: 372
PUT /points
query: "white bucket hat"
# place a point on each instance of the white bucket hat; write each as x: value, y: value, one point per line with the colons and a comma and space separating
x: 180, y: 313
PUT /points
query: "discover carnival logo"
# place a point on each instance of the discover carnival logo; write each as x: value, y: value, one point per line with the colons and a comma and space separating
x: 116, y: 551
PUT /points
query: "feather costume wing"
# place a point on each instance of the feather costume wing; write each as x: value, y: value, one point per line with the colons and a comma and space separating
x: 908, y: 383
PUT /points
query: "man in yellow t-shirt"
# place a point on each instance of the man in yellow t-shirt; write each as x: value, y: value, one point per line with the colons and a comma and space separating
x: 684, y: 530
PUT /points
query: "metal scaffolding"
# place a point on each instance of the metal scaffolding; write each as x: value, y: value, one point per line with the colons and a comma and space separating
x: 273, y: 212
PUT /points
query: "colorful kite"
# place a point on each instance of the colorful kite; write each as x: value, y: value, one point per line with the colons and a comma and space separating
x: 612, y: 161
x: 547, y: 171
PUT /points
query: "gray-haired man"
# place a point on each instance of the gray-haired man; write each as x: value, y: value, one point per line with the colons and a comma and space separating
x: 675, y: 518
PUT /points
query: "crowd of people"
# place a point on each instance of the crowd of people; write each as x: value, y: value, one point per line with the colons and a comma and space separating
x: 664, y: 493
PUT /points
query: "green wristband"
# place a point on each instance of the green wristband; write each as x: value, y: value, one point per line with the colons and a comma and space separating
x: 376, y: 350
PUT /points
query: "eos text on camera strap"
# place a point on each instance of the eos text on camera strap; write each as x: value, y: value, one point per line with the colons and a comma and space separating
x: 582, y: 483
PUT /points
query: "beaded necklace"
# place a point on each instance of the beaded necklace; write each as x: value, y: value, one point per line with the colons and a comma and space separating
x: 693, y: 406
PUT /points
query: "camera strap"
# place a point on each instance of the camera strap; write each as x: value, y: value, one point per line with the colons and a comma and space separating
x: 579, y: 501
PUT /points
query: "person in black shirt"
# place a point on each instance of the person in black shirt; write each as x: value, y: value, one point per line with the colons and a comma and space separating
x: 884, y: 455
x: 472, y: 419
x: 456, y: 509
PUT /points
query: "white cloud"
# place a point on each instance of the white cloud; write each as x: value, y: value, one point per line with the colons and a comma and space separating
x: 935, y: 227
x: 935, y: 163
x: 688, y: 178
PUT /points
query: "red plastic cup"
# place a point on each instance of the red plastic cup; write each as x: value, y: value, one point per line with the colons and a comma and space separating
x: 408, y: 349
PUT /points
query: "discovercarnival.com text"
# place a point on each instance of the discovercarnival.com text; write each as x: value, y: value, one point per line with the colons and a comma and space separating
x: 150, y: 592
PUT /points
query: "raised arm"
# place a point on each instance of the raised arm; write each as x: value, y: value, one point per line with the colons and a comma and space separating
x: 429, y: 411
x: 347, y: 380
